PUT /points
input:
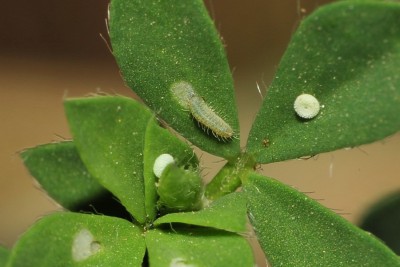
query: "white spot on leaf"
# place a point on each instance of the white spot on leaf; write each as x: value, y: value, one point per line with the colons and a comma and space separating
x: 180, y: 262
x: 84, y: 245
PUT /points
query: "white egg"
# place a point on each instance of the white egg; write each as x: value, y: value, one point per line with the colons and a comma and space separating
x: 161, y: 163
x: 306, y: 106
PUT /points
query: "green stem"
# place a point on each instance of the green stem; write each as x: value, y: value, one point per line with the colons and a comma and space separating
x: 230, y: 177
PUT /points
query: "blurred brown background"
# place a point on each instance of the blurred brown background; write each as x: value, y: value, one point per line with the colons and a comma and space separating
x: 52, y: 49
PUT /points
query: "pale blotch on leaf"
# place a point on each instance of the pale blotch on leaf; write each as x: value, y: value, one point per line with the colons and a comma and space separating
x: 306, y: 106
x: 161, y: 163
x: 180, y: 262
x: 183, y: 92
x: 84, y: 245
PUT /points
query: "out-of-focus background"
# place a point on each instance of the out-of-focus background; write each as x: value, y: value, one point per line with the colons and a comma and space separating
x: 50, y: 50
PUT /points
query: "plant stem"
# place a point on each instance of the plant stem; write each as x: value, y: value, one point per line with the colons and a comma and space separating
x: 230, y: 177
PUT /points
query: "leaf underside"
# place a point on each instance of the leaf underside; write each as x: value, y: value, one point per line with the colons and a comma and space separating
x: 383, y: 220
x: 60, y: 171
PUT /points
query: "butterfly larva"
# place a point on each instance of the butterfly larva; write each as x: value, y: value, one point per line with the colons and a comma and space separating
x: 208, y: 118
x: 205, y: 115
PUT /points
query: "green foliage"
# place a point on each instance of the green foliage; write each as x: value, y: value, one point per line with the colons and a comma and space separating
x: 295, y: 230
x: 198, y: 247
x: 71, y: 239
x: 347, y: 55
x: 109, y: 134
x: 160, y: 43
x: 97, y: 135
x: 226, y: 213
x: 159, y: 141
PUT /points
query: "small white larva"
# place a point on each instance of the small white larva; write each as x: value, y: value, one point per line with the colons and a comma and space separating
x: 205, y: 115
x: 306, y: 106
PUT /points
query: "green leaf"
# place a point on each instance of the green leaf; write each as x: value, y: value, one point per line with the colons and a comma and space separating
x: 294, y: 230
x: 346, y: 54
x: 109, y: 134
x: 160, y: 141
x: 226, y: 213
x: 161, y: 44
x: 4, y: 256
x: 197, y: 247
x: 383, y: 220
x: 60, y: 171
x: 72, y: 239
